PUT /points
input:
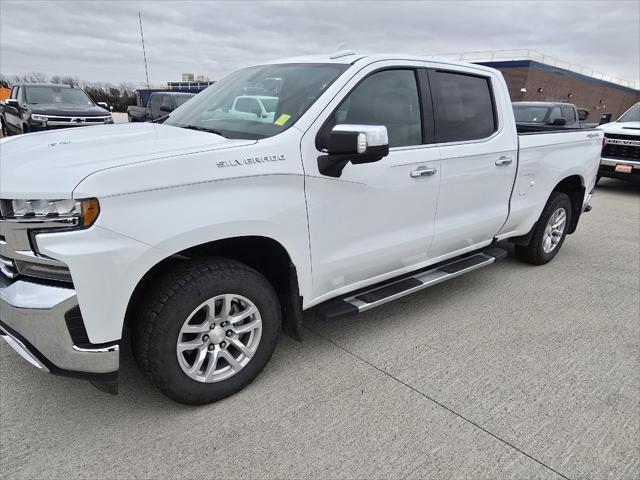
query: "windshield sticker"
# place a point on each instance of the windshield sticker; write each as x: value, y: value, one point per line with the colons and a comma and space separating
x: 282, y: 119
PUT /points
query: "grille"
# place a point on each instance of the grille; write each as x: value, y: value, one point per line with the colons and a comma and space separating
x: 623, y: 152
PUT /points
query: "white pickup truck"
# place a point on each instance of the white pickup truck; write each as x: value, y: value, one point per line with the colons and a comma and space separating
x: 378, y: 176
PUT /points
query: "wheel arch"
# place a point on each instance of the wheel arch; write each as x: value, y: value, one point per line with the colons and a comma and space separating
x: 574, y: 187
x: 264, y: 254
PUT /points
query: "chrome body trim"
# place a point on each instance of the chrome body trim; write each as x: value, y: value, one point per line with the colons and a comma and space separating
x: 427, y: 279
x: 37, y: 313
x: 620, y: 161
x: 17, y: 243
x: 21, y: 350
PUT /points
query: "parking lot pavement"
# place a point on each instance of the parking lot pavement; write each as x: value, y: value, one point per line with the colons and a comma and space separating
x: 512, y: 371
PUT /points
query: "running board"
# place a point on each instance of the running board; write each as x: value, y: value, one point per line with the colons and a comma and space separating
x: 379, y: 295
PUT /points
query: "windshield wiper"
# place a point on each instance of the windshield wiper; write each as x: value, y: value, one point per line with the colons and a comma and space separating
x: 203, y: 129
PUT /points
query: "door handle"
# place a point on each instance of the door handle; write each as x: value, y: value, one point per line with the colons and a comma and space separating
x: 422, y: 172
x: 504, y: 161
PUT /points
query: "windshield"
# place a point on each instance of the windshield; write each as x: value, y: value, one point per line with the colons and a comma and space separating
x: 257, y: 102
x: 68, y: 96
x: 530, y: 113
x: 631, y: 115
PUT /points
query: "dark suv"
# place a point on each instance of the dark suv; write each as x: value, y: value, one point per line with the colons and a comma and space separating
x: 38, y: 106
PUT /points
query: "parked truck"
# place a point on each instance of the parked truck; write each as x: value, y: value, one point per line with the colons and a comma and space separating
x: 621, y: 147
x: 159, y: 105
x: 204, y: 235
x: 34, y: 107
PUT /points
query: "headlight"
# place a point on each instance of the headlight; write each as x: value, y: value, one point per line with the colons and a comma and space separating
x: 39, y: 118
x: 80, y: 213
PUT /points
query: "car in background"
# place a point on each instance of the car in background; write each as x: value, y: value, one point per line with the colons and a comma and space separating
x: 259, y: 108
x: 160, y: 104
x: 540, y: 116
x: 35, y: 107
x: 621, y: 146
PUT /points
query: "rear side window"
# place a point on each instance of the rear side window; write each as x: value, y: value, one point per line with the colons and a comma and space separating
x: 463, y: 106
x: 156, y: 100
x: 166, y: 101
x: 568, y: 114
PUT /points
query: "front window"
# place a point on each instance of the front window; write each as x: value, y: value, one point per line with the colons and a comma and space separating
x: 631, y: 115
x: 530, y: 113
x: 56, y: 95
x: 257, y: 102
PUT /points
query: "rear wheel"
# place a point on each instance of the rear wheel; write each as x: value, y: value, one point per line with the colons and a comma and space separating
x: 129, y: 119
x: 208, y: 330
x: 549, y: 233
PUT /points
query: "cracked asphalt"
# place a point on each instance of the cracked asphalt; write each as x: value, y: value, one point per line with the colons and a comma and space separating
x: 512, y: 371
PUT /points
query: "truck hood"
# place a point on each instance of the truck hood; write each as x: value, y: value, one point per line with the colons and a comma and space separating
x: 621, y: 128
x: 68, y: 110
x: 49, y: 165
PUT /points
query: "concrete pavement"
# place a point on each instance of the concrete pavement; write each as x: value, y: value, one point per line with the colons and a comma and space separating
x: 512, y: 371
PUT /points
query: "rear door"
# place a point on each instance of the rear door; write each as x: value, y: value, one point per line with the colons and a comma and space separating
x: 478, y: 159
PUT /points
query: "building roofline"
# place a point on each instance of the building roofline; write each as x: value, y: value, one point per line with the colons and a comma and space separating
x: 562, y: 71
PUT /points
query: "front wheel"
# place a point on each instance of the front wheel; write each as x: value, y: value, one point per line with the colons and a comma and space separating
x: 549, y: 233
x: 208, y: 330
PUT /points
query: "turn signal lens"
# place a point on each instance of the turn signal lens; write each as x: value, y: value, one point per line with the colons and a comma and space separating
x: 90, y: 211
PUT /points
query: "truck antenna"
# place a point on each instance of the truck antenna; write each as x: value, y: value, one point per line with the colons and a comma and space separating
x: 144, y: 53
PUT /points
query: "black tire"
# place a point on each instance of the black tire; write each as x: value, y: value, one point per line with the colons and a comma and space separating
x: 533, y: 252
x: 175, y: 295
x: 3, y: 126
x: 129, y: 119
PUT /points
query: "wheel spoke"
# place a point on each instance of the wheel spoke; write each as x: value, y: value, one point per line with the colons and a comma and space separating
x: 192, y: 345
x: 546, y: 245
x: 210, y: 306
x: 226, y: 307
x: 241, y: 346
x: 233, y: 363
x: 197, y: 364
x: 202, y: 328
x: 242, y: 315
x: 247, y: 327
x: 214, y: 356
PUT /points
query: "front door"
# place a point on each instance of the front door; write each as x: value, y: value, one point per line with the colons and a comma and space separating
x: 376, y: 220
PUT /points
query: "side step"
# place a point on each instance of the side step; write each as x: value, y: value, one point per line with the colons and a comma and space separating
x: 381, y: 294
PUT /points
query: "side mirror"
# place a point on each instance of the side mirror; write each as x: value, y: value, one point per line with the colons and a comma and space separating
x: 103, y: 105
x: 12, y: 102
x: 166, y: 108
x: 605, y: 118
x: 353, y: 143
x: 558, y: 122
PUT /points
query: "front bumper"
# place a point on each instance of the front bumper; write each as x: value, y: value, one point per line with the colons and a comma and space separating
x: 33, y: 323
x: 608, y: 168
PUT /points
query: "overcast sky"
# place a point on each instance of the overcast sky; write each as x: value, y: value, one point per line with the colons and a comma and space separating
x: 100, y: 40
